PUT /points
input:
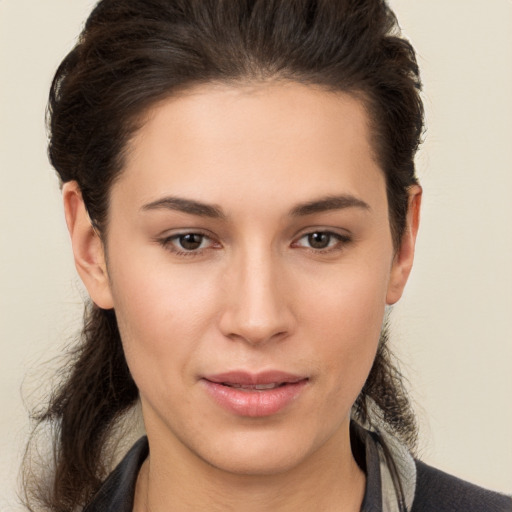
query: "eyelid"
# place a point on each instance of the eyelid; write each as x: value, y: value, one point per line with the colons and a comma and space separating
x: 336, y: 231
x: 343, y: 238
x: 166, y: 241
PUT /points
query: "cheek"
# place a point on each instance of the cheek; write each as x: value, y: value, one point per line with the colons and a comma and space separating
x: 345, y: 318
x: 163, y: 314
x: 349, y: 300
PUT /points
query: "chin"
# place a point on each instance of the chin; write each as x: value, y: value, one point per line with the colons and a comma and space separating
x: 258, y: 464
x: 257, y: 454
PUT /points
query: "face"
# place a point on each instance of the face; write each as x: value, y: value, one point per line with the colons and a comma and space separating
x: 249, y: 262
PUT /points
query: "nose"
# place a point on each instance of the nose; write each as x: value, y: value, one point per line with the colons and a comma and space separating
x: 258, y: 305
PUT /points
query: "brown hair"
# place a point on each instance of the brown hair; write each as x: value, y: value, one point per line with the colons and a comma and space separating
x: 133, y: 53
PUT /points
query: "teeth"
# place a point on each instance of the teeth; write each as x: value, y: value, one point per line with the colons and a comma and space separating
x: 254, y: 386
x: 266, y: 386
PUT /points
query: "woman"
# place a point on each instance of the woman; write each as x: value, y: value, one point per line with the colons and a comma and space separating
x: 239, y: 188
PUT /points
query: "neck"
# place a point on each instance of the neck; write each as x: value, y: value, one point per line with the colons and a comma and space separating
x: 328, y: 480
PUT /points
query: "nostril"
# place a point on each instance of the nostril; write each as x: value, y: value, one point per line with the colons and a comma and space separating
x: 256, y: 311
x: 253, y: 337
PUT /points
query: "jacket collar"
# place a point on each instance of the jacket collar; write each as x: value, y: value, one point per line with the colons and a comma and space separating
x: 117, y: 492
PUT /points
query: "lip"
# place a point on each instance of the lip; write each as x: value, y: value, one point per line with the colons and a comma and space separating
x: 237, y: 393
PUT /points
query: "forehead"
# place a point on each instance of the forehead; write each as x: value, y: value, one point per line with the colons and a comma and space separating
x: 259, y: 140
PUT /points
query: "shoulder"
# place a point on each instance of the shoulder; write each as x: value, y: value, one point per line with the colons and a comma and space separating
x: 437, y: 491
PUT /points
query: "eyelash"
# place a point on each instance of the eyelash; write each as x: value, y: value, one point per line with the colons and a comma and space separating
x: 340, y: 241
x: 168, y: 243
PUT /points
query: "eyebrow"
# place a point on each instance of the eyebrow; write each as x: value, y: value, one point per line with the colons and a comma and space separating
x: 328, y: 203
x: 186, y: 206
x: 201, y: 209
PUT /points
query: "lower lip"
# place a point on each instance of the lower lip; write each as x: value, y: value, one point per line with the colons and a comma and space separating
x: 251, y: 403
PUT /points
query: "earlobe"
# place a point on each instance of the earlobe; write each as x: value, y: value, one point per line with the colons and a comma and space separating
x: 404, y: 257
x: 88, y: 249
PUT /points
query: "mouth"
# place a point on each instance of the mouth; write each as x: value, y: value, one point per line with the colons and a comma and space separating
x: 255, y: 394
x: 242, y: 378
x: 255, y: 387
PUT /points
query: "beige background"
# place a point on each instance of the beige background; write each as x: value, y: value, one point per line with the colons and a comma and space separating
x: 453, y: 328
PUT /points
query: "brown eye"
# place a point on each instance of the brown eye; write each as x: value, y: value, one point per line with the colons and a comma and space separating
x: 190, y: 241
x: 323, y: 241
x: 189, y: 244
x: 319, y: 240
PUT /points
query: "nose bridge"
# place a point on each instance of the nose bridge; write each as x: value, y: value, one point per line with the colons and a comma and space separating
x: 257, y: 310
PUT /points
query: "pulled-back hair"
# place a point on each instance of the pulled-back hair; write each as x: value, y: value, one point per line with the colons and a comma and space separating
x: 134, y: 53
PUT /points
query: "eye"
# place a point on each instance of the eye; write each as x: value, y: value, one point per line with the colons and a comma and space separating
x: 190, y: 241
x: 319, y: 240
x: 322, y: 240
x: 187, y: 244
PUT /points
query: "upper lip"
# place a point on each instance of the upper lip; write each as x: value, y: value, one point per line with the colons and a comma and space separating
x: 248, y: 378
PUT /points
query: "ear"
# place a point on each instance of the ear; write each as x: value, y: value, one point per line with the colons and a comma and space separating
x: 404, y: 257
x: 87, y: 246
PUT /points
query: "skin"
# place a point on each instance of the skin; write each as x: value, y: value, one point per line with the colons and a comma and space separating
x: 255, y: 295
